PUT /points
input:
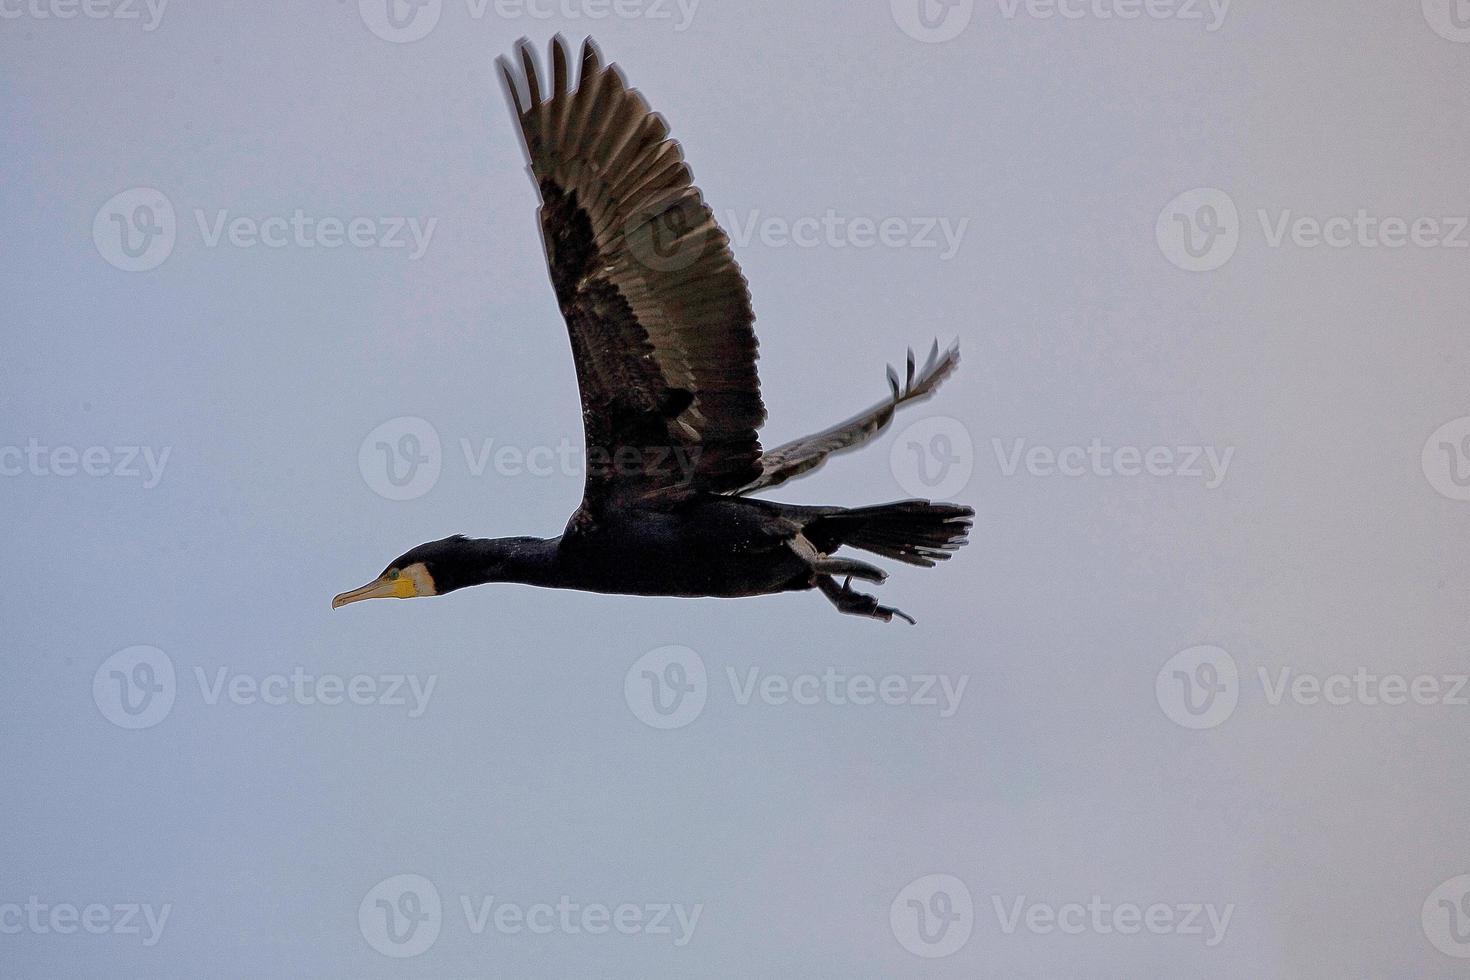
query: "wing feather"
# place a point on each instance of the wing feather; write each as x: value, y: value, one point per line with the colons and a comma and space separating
x: 801, y: 456
x: 657, y: 311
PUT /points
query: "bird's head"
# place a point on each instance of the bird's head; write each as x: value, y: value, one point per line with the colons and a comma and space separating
x: 433, y: 568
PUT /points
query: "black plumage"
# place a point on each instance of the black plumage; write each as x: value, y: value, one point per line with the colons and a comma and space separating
x: 660, y: 323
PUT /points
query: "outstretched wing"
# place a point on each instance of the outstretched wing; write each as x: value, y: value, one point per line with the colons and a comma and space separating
x: 803, y: 455
x: 658, y: 312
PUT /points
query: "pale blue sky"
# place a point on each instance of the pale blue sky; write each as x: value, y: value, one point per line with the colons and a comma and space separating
x: 1049, y: 147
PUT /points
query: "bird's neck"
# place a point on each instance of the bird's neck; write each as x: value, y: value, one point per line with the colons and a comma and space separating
x: 529, y: 561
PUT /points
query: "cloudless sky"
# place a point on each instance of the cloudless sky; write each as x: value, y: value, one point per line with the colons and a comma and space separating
x: 229, y: 399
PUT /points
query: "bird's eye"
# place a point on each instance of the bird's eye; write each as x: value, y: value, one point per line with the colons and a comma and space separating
x: 392, y: 574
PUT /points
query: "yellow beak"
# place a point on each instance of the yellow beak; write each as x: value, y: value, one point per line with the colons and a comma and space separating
x: 382, y: 587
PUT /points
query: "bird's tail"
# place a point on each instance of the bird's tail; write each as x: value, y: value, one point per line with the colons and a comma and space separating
x: 918, y: 532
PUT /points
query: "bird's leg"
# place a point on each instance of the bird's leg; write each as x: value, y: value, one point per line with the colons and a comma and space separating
x: 856, y: 603
x: 849, y: 567
x: 822, y: 564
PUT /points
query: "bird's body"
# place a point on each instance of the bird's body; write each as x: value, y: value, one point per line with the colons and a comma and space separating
x: 660, y: 323
x: 707, y: 545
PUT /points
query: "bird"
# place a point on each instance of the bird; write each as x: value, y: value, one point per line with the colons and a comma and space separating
x: 660, y: 322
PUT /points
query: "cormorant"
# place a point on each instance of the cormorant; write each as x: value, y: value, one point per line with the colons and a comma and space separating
x: 660, y: 323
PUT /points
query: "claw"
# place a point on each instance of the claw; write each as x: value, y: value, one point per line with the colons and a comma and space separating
x: 888, y: 612
x: 856, y: 603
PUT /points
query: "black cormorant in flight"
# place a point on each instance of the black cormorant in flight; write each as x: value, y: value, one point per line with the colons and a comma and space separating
x: 660, y: 323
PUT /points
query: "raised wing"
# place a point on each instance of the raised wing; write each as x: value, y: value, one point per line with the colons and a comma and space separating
x: 658, y: 312
x: 803, y: 455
